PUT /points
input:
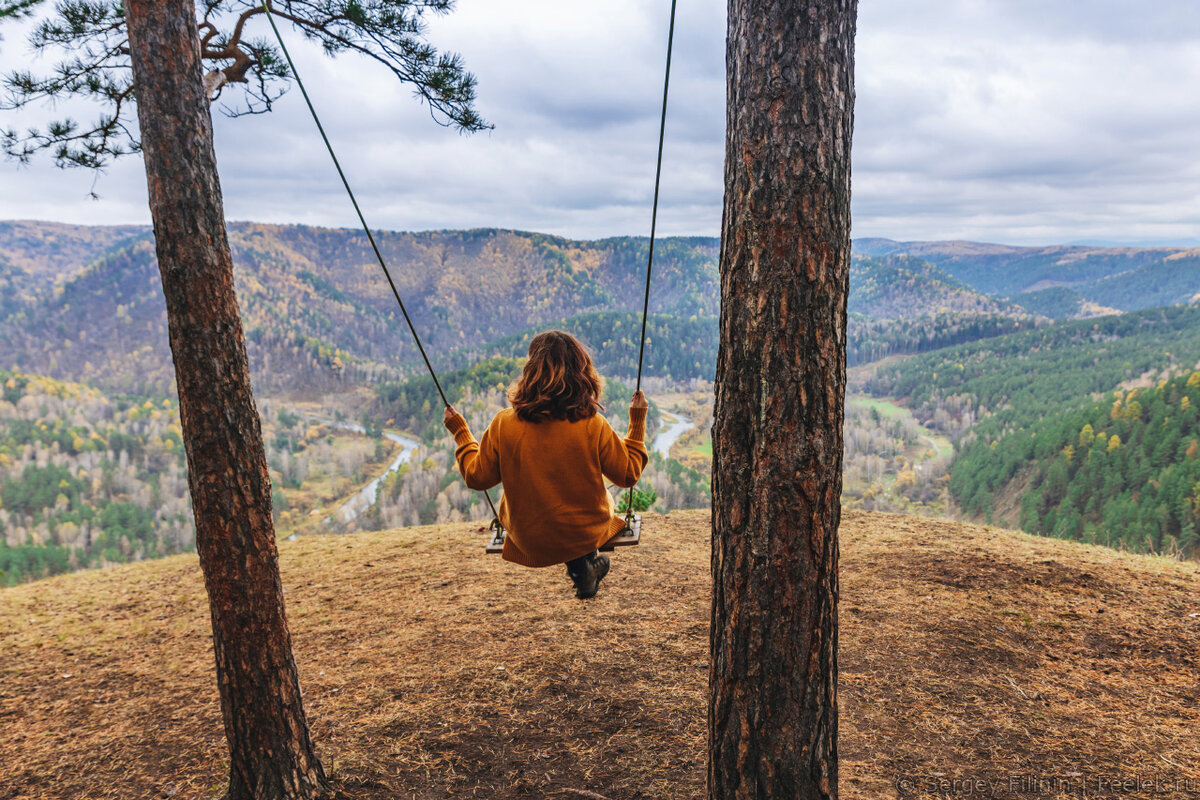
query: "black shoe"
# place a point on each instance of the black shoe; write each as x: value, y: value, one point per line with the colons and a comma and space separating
x: 587, y: 576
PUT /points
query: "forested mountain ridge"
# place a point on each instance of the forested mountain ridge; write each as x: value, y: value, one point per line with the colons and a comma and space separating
x: 901, y: 304
x: 467, y: 287
x: 1016, y: 379
x: 902, y: 286
x: 1125, y: 278
x: 1059, y: 302
x: 1174, y: 279
x: 318, y: 312
x: 1015, y: 402
x: 53, y: 250
x: 1122, y: 470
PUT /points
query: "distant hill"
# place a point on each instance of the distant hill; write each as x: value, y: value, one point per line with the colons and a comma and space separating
x: 869, y: 339
x: 83, y: 303
x: 1125, y: 278
x: 51, y: 251
x: 1059, y: 302
x: 900, y: 304
x: 902, y: 286
x: 1173, y: 279
x: 1007, y: 269
x: 317, y: 310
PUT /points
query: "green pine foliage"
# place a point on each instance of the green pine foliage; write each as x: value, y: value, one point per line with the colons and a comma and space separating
x: 1122, y: 471
x: 869, y: 339
x: 1008, y: 382
x: 90, y: 42
x: 643, y: 499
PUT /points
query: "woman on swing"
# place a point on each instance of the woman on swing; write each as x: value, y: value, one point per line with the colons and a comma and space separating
x: 552, y: 451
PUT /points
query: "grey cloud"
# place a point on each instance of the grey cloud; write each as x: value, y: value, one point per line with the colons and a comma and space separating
x: 1007, y: 120
x: 1103, y: 20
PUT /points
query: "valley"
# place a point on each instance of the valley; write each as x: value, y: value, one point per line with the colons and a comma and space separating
x: 958, y: 350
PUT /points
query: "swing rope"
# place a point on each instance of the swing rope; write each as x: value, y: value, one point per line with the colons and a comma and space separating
x: 387, y: 273
x: 662, y: 131
x: 366, y: 228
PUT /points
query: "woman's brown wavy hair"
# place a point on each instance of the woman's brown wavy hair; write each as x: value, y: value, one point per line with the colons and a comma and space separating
x: 559, y: 381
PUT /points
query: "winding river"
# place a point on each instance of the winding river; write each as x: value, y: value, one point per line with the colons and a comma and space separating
x: 674, y: 426
x: 365, y: 498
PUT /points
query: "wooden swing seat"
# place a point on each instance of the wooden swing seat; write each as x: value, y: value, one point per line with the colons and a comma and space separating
x: 628, y: 536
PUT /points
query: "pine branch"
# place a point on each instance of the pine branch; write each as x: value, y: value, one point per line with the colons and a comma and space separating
x: 21, y: 9
x: 90, y: 34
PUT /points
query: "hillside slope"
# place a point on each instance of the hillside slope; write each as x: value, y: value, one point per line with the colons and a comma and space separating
x: 85, y: 304
x: 51, y: 251
x: 432, y: 671
x: 896, y: 287
x: 1125, y: 278
x: 316, y: 309
x: 1008, y: 269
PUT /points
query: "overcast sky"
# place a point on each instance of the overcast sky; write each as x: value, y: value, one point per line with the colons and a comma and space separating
x: 1019, y: 121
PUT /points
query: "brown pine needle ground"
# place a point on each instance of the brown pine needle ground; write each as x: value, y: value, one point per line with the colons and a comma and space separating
x: 432, y: 671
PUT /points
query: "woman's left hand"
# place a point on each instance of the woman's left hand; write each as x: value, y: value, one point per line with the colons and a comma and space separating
x: 451, y: 414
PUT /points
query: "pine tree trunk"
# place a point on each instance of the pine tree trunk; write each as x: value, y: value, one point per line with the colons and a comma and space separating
x: 271, y: 754
x: 781, y: 375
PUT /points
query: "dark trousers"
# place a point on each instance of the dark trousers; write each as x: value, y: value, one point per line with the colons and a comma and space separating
x: 576, y: 565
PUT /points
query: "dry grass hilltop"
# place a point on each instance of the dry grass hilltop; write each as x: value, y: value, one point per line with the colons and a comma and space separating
x: 433, y: 671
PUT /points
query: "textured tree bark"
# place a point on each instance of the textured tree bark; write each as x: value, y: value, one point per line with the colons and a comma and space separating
x: 271, y: 754
x: 781, y: 375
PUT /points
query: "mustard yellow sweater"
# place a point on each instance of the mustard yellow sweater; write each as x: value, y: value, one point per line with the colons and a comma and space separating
x: 554, y: 507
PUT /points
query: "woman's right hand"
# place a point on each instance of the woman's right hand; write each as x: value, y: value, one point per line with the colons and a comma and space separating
x: 639, y: 400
